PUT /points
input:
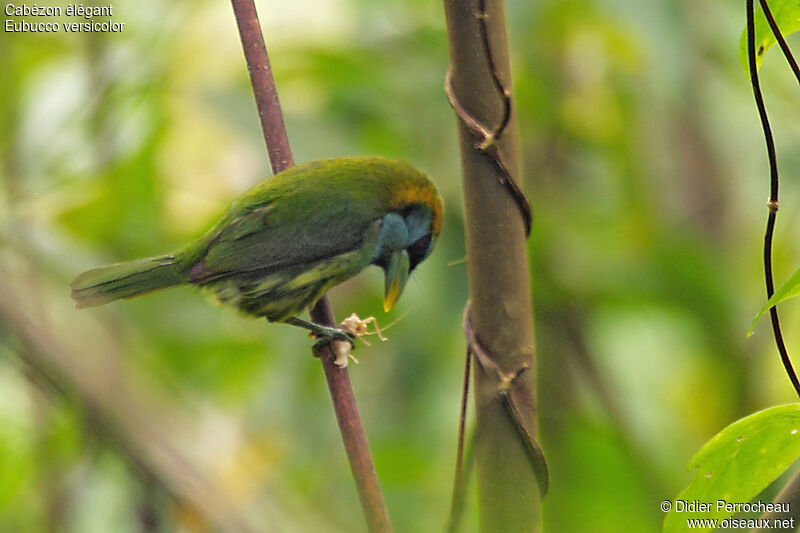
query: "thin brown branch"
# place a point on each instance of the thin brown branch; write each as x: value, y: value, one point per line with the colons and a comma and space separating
x: 280, y: 155
x: 458, y: 497
x: 266, y: 94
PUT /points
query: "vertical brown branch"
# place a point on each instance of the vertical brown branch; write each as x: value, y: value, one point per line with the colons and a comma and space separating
x: 280, y: 155
x: 458, y: 498
x: 266, y: 94
x: 496, y: 222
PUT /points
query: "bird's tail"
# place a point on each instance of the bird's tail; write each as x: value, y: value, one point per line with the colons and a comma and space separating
x: 126, y: 280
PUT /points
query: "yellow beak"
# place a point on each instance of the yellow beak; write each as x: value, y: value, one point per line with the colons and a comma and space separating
x: 396, y: 277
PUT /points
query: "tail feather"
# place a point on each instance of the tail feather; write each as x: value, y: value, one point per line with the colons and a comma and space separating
x: 126, y: 280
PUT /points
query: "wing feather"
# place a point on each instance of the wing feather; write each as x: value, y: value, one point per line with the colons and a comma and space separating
x: 271, y: 237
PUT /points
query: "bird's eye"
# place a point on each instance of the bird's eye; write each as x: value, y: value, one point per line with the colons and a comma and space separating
x: 418, y: 250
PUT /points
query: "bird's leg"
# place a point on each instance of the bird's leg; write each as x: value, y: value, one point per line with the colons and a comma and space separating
x: 324, y: 334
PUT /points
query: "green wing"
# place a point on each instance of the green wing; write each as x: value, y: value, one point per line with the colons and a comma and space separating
x: 285, y: 230
x: 310, y: 212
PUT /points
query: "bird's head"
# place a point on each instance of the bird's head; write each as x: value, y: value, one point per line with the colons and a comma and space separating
x: 405, y: 239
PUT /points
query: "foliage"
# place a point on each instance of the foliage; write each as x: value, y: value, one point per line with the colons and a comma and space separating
x: 787, y: 16
x: 789, y: 289
x: 642, y: 160
x: 739, y: 462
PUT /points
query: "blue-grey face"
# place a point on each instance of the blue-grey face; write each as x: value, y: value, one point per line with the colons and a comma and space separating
x: 404, y: 241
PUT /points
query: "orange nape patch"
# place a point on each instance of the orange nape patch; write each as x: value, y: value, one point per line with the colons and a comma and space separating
x: 416, y: 193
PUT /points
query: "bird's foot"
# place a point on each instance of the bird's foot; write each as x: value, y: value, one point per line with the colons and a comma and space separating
x: 325, y: 335
x: 341, y: 343
x: 341, y: 339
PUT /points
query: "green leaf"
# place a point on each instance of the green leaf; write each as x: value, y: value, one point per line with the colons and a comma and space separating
x: 737, y: 464
x: 788, y: 290
x: 787, y: 16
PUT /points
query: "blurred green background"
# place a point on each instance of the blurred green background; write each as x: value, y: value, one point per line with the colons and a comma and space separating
x: 644, y: 162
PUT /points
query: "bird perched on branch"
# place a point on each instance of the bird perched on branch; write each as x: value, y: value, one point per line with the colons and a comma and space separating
x: 288, y: 240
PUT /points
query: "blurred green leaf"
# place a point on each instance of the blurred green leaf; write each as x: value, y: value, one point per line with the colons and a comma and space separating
x: 787, y: 16
x: 788, y: 290
x: 739, y: 462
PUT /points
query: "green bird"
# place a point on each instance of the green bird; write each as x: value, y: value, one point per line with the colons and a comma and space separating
x: 288, y: 240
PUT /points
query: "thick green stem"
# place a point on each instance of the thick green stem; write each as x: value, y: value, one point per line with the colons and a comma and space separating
x: 497, y: 263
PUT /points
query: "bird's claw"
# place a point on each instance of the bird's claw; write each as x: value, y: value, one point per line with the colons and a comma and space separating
x: 341, y: 350
x: 334, y: 334
x: 351, y: 328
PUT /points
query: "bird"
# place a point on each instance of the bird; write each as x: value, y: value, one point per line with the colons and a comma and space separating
x: 284, y: 243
